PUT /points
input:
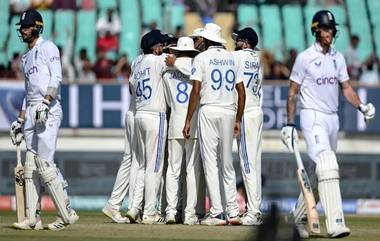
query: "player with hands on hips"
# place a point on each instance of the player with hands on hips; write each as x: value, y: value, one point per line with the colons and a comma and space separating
x: 249, y: 70
x: 39, y: 121
x: 317, y: 75
x: 214, y: 87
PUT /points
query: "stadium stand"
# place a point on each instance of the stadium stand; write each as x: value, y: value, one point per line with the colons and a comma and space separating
x: 86, y: 33
x: 281, y: 26
x: 271, y: 31
x: 131, y: 27
x: 294, y: 37
x: 360, y: 25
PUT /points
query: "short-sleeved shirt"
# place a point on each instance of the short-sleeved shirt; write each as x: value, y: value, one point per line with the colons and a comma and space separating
x: 41, y: 66
x: 178, y: 87
x: 319, y: 76
x: 249, y: 71
x: 147, y: 85
x: 215, y: 68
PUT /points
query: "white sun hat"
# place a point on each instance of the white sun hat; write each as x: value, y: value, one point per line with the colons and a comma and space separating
x: 185, y: 44
x: 196, y: 32
x: 213, y: 33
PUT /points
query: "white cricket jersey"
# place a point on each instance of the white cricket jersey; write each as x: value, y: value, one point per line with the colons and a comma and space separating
x: 216, y: 69
x: 177, y: 93
x: 147, y: 83
x: 319, y: 76
x: 42, y: 69
x: 249, y: 71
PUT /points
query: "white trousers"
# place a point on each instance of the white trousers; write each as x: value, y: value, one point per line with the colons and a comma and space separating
x: 215, y: 131
x: 42, y: 139
x: 249, y: 143
x: 181, y: 150
x: 150, y: 133
x: 320, y: 131
x: 122, y: 182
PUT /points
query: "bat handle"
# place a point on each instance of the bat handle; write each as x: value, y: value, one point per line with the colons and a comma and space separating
x: 18, y: 155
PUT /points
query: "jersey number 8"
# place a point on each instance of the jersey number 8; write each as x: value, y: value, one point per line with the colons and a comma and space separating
x: 182, y: 95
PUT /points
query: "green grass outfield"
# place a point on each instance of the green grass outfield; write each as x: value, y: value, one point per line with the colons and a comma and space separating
x: 95, y: 226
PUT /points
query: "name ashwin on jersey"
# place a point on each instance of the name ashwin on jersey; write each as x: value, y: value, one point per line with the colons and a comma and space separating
x: 224, y: 62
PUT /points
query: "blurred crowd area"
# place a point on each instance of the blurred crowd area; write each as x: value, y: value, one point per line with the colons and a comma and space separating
x: 101, y: 50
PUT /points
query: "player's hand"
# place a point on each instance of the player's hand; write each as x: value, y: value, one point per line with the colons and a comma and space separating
x: 368, y: 111
x: 170, y: 60
x: 186, y: 130
x: 16, y: 131
x: 236, y: 129
x: 289, y: 136
x: 41, y: 113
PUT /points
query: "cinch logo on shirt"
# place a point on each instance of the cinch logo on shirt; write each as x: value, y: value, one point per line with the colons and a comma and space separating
x: 327, y: 81
x: 54, y: 58
x: 31, y: 71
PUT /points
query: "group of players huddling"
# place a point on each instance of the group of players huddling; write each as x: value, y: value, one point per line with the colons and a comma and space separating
x: 192, y: 100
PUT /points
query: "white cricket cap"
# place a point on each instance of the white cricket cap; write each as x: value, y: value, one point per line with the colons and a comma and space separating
x: 213, y: 33
x: 185, y: 44
x: 196, y: 32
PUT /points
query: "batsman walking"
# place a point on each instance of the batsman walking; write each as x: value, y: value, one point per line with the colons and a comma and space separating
x: 38, y: 123
x: 317, y: 75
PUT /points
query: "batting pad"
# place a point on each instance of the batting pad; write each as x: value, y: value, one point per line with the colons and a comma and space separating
x: 49, y: 174
x: 32, y: 188
x: 327, y: 171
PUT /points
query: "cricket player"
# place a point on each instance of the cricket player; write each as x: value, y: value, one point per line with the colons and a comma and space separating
x: 150, y: 125
x: 126, y: 175
x: 318, y: 74
x: 214, y: 83
x: 177, y: 91
x: 39, y: 121
x: 249, y: 141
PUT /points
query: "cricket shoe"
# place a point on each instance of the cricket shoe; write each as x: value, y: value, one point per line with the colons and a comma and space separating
x: 153, y: 219
x: 251, y: 219
x: 218, y: 220
x: 113, y: 213
x: 234, y: 220
x: 340, y: 232
x: 170, y: 219
x: 192, y: 220
x: 25, y: 225
x: 133, y: 215
x: 59, y: 224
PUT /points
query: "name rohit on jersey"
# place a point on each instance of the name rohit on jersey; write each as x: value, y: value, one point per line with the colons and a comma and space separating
x: 145, y: 73
x: 223, y: 62
x: 327, y: 81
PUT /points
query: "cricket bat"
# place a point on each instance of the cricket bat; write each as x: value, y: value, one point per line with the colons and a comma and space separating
x: 311, y: 206
x: 19, y: 187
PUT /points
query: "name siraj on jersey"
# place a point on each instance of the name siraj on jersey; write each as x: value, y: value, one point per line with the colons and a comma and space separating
x: 251, y: 65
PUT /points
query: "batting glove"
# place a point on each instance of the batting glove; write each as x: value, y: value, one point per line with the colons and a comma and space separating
x: 42, y: 110
x: 289, y: 136
x: 16, y: 131
x: 368, y: 111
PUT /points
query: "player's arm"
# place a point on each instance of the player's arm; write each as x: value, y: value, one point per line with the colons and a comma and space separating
x: 292, y: 101
x: 349, y: 93
x: 240, y: 110
x: 193, y: 103
x: 53, y: 62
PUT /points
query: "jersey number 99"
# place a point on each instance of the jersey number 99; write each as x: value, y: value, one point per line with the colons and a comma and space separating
x: 217, y: 79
